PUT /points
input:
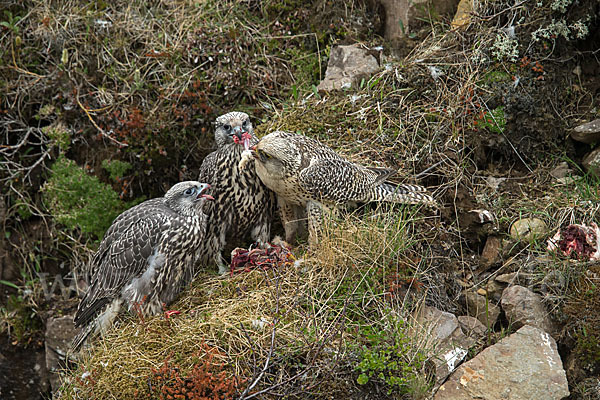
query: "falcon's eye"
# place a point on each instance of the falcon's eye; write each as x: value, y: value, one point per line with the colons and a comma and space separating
x: 227, y: 127
x: 264, y: 154
x: 245, y: 123
x: 188, y: 191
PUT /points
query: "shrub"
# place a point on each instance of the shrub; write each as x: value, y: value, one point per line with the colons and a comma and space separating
x: 79, y: 200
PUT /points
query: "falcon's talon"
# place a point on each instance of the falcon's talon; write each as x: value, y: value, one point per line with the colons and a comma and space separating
x: 169, y: 313
x: 128, y: 281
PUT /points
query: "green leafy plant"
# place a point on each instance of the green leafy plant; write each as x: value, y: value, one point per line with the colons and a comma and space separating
x: 116, y: 168
x: 494, y: 121
x: 390, y: 357
x: 11, y: 22
x: 79, y: 200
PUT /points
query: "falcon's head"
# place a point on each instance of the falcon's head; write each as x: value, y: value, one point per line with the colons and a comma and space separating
x: 234, y: 127
x: 187, y: 196
x: 277, y: 155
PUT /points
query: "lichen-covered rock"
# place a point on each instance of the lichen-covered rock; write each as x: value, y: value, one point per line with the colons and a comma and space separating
x: 524, y: 365
x: 528, y: 229
x: 524, y: 307
x: 587, y: 133
x: 347, y: 66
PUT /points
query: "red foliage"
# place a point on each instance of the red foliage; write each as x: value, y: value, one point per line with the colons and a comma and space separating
x: 207, y: 381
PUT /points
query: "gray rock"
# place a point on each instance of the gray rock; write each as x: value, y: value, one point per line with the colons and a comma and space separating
x: 524, y: 307
x: 402, y: 16
x: 528, y: 229
x: 587, y: 133
x: 525, y: 365
x: 346, y: 67
x: 447, y: 343
x: 494, y: 290
x: 472, y: 327
x: 491, y: 251
x: 60, y: 331
x: 486, y: 311
x: 591, y: 162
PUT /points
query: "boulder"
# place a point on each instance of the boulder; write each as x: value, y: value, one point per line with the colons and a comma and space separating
x: 524, y: 307
x: 60, y: 332
x: 346, y: 67
x: 587, y: 133
x: 445, y: 339
x: 525, y: 365
x: 484, y: 310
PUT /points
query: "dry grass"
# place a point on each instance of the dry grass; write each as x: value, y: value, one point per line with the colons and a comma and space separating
x: 302, y: 320
x: 433, y: 116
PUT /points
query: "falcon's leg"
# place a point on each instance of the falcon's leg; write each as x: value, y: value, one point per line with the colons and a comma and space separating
x: 289, y: 220
x: 220, y: 261
x: 314, y: 213
x: 261, y: 233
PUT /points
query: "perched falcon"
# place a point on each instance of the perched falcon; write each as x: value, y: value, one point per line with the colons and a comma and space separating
x: 308, y: 176
x: 243, y: 204
x: 146, y: 258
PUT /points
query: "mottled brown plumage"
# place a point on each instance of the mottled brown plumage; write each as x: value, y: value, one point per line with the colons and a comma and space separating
x: 307, y: 175
x: 243, y: 205
x: 146, y: 258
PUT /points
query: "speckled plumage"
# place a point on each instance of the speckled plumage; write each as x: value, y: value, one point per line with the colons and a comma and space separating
x: 307, y: 175
x: 243, y: 204
x: 146, y: 258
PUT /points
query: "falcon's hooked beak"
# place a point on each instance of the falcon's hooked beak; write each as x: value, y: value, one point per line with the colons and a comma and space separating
x: 240, y: 136
x: 201, y: 195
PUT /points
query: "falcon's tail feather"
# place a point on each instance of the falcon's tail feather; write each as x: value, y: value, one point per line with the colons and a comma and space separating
x: 403, y: 193
x: 99, y: 324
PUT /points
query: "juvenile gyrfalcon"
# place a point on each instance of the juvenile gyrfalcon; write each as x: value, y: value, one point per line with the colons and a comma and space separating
x: 306, y: 174
x: 146, y: 258
x: 243, y: 205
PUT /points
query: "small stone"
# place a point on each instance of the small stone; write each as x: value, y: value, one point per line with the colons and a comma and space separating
x: 60, y: 332
x: 587, y: 133
x: 494, y: 290
x: 463, y: 14
x: 524, y: 307
x: 403, y: 16
x: 484, y: 310
x: 491, y: 251
x: 528, y: 229
x: 562, y: 171
x: 481, y: 292
x: 524, y: 365
x: 472, y: 327
x: 591, y: 162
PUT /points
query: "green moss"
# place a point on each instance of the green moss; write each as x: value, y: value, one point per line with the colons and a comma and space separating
x: 116, y: 168
x: 495, y: 77
x: 78, y: 200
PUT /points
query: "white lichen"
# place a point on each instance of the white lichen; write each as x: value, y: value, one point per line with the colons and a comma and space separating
x: 505, y: 48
